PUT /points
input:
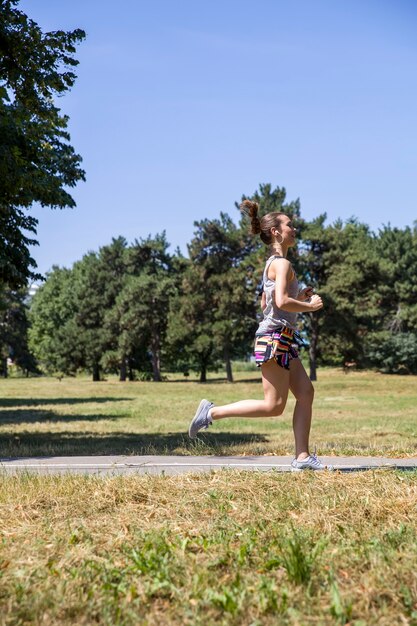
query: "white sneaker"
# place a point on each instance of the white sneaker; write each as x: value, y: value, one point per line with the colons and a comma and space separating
x: 311, y: 462
x: 201, y: 420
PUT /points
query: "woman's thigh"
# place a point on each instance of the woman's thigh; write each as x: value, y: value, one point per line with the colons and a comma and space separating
x: 300, y: 384
x: 275, y: 382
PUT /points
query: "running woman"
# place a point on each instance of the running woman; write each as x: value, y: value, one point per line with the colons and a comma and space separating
x: 275, y: 352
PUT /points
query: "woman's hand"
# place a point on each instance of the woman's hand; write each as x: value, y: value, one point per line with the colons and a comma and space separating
x: 316, y: 302
x: 305, y: 294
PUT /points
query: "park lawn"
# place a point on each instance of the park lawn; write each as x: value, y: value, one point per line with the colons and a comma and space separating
x: 356, y: 413
x: 227, y: 548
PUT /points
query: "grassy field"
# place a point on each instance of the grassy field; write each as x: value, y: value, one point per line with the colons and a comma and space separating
x: 228, y: 548
x: 355, y: 413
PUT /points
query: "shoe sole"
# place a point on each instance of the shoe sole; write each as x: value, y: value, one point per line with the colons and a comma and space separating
x: 312, y: 469
x: 200, y: 407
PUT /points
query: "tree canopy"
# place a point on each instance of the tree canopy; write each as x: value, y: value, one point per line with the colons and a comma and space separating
x: 37, y: 162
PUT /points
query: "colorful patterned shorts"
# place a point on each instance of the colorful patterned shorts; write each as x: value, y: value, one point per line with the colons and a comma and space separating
x: 277, y: 345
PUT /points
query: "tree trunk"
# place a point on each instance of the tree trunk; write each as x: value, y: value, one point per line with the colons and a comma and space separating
x: 123, y: 371
x: 156, y: 367
x: 312, y: 353
x: 4, y: 371
x: 156, y: 359
x: 96, y: 372
x: 205, y: 360
x: 203, y: 373
x: 228, y: 364
x: 131, y: 376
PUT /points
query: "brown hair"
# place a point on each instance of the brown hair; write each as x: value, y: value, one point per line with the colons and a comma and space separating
x: 261, y: 226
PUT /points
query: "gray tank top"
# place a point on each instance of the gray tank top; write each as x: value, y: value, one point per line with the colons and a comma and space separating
x: 273, y: 316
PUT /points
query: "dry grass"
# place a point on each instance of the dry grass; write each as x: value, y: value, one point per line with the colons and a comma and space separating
x: 222, y: 548
x: 358, y: 413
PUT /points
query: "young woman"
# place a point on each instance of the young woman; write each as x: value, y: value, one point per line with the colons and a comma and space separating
x: 274, y: 351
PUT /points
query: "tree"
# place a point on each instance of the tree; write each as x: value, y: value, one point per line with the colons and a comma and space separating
x: 143, y: 304
x: 90, y: 305
x: 97, y: 280
x: 37, y: 163
x: 340, y: 263
x: 107, y: 285
x: 14, y: 326
x: 219, y: 247
x: 107, y: 312
x: 68, y: 312
x: 143, y: 312
x: 53, y: 336
x: 312, y: 270
x: 393, y: 353
x: 351, y: 299
x: 190, y: 334
x: 391, y: 346
x: 397, y: 251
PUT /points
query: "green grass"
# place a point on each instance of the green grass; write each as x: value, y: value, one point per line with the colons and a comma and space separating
x: 357, y: 413
x: 222, y: 548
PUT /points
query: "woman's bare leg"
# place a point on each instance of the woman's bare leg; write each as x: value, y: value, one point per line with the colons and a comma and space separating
x: 303, y: 391
x: 275, y: 382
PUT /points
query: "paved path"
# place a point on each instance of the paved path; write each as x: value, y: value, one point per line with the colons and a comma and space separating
x: 112, y: 465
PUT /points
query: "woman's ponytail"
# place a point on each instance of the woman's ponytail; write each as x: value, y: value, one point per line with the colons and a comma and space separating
x: 251, y: 210
x: 264, y: 225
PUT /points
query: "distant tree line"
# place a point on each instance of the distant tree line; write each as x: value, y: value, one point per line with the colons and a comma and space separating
x: 138, y: 310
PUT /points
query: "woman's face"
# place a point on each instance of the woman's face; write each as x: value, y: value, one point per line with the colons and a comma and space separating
x: 286, y: 231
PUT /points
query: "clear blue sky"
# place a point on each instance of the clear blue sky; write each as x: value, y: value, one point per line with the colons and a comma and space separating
x: 181, y: 107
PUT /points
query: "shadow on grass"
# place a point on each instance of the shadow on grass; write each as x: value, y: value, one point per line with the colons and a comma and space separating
x: 12, y: 402
x: 32, y: 416
x: 20, y: 445
x: 216, y: 381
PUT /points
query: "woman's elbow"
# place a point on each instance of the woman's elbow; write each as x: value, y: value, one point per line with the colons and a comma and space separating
x: 281, y: 302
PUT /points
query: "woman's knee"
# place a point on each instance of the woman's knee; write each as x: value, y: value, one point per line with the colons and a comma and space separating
x: 274, y: 408
x: 305, y: 394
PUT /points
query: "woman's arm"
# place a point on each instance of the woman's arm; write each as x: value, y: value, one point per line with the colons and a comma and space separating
x: 281, y: 271
x: 305, y: 294
x: 263, y: 301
